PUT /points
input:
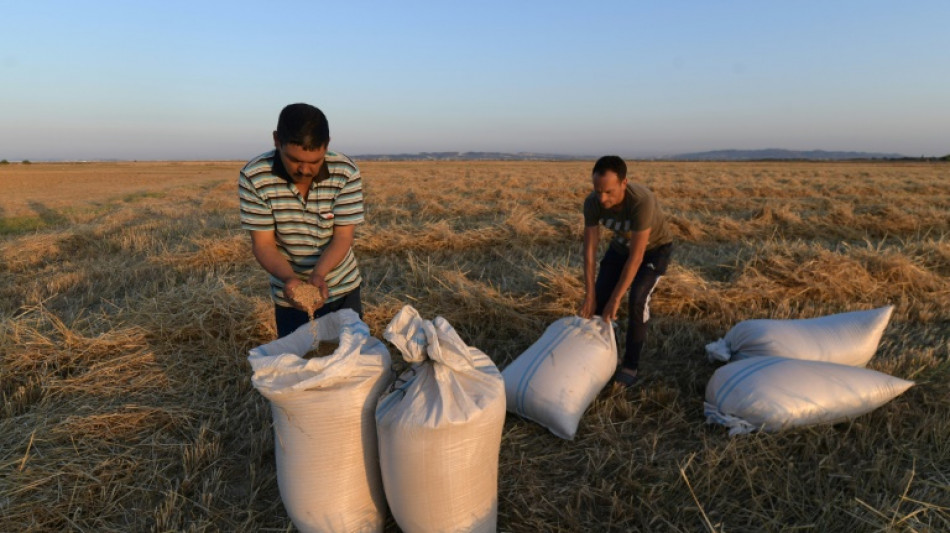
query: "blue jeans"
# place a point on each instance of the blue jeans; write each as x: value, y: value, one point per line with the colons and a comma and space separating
x: 291, y: 318
x: 652, y: 268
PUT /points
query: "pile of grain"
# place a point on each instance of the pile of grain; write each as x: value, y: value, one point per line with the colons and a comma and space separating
x: 321, y: 349
x: 309, y: 297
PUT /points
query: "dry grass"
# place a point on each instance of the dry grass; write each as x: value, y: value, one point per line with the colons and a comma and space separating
x: 47, y: 188
x: 125, y: 319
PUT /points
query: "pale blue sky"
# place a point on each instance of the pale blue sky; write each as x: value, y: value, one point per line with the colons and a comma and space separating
x: 206, y: 80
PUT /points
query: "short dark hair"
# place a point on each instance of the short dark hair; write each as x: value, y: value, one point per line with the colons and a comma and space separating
x: 304, y: 125
x: 611, y: 162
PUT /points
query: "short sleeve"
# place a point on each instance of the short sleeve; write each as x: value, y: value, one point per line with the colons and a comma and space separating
x: 256, y: 215
x: 643, y: 215
x: 591, y: 211
x: 348, y: 207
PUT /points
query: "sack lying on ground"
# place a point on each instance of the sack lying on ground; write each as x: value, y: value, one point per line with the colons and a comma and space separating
x: 557, y: 378
x: 773, y: 393
x: 845, y: 338
x: 440, y: 430
x: 324, y: 424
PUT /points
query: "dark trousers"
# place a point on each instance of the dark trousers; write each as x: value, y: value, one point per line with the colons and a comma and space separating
x: 652, y: 268
x: 291, y: 318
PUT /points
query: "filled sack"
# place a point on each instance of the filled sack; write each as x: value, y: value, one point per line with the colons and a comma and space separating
x: 774, y: 393
x: 556, y: 379
x: 845, y: 338
x: 440, y: 430
x: 324, y: 423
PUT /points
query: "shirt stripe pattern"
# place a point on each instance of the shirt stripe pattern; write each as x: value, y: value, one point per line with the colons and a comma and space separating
x: 304, y: 226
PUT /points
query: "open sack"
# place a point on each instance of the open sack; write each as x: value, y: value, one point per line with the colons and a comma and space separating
x: 324, y: 423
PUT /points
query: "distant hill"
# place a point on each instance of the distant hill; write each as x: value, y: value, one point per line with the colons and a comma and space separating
x: 777, y: 153
x: 471, y: 156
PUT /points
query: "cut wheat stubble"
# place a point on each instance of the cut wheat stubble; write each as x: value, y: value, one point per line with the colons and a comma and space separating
x: 117, y: 384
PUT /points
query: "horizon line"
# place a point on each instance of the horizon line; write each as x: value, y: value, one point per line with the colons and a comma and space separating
x: 751, y: 154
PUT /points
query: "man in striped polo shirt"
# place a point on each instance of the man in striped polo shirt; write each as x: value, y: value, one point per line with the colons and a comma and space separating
x: 301, y: 204
x: 636, y: 258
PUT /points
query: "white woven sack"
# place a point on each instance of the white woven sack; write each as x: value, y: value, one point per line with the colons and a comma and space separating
x: 845, y: 338
x: 555, y: 380
x: 774, y: 393
x: 324, y: 424
x: 440, y: 430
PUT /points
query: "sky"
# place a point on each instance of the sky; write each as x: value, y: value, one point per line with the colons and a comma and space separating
x: 205, y: 80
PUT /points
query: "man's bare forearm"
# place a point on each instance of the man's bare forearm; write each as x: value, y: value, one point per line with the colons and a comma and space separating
x: 272, y: 261
x: 591, y: 238
x: 638, y: 247
x: 626, y: 275
x: 336, y: 250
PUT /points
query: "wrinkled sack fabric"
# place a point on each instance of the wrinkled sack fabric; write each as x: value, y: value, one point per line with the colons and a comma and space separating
x: 440, y: 430
x: 324, y: 423
x: 845, y: 338
x: 555, y: 380
x: 775, y: 393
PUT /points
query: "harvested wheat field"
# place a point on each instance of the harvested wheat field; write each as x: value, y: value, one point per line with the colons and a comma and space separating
x: 126, y: 316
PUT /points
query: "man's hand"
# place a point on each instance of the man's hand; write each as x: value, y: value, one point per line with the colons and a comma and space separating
x: 610, y: 310
x: 316, y: 279
x: 331, y: 257
x: 589, y: 306
x: 289, y: 287
x: 264, y: 245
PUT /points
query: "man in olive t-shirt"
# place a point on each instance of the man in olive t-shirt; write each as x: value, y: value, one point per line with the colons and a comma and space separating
x: 636, y: 259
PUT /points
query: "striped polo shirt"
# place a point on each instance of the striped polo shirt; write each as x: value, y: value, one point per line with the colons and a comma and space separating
x: 638, y: 211
x: 303, y: 226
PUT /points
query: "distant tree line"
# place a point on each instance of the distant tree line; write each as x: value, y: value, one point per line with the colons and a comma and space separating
x: 921, y: 158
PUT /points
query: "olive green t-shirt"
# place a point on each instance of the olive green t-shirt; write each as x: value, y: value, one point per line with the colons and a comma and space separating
x: 638, y: 211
